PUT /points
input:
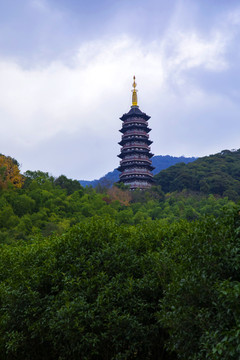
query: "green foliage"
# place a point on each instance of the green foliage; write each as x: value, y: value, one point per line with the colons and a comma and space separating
x: 91, y: 294
x: 215, y: 174
x: 46, y: 205
x: 201, y: 303
x: 22, y: 204
x: 120, y: 275
x: 70, y: 185
x: 106, y: 291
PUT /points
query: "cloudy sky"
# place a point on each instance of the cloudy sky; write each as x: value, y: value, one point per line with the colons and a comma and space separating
x: 66, y: 70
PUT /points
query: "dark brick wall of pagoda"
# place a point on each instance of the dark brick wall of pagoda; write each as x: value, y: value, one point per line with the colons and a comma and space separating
x: 135, y: 165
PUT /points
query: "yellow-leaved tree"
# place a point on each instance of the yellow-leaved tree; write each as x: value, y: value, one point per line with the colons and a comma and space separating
x: 10, y: 173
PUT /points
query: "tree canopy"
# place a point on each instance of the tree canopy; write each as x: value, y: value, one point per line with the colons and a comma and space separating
x: 118, y: 275
x: 10, y: 173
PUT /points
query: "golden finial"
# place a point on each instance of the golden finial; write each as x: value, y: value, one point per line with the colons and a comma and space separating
x: 134, y: 93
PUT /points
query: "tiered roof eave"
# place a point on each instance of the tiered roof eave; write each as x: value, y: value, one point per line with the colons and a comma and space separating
x: 135, y: 111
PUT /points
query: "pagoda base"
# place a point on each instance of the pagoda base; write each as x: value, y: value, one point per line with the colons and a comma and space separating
x: 141, y: 185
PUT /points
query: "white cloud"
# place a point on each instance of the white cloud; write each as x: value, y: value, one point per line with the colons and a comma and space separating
x: 191, y: 50
x: 38, y: 105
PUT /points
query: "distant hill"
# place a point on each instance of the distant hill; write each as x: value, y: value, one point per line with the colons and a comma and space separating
x: 106, y: 180
x: 160, y: 162
x: 215, y: 174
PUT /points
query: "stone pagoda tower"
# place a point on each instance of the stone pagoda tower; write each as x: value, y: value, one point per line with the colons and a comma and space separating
x: 135, y: 166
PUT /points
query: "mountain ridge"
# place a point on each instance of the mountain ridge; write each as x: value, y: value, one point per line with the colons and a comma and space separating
x: 160, y: 162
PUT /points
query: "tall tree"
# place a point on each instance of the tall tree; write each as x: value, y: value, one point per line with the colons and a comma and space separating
x: 10, y: 173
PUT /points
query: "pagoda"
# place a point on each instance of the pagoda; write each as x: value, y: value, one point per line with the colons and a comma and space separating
x: 135, y: 165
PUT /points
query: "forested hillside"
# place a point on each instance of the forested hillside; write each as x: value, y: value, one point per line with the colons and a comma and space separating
x: 39, y: 204
x: 214, y: 174
x: 109, y: 274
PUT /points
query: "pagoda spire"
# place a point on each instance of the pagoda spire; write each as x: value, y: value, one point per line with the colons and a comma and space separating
x: 134, y: 93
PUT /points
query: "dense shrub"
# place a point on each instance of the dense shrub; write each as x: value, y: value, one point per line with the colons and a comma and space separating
x: 92, y: 293
x: 201, y: 307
